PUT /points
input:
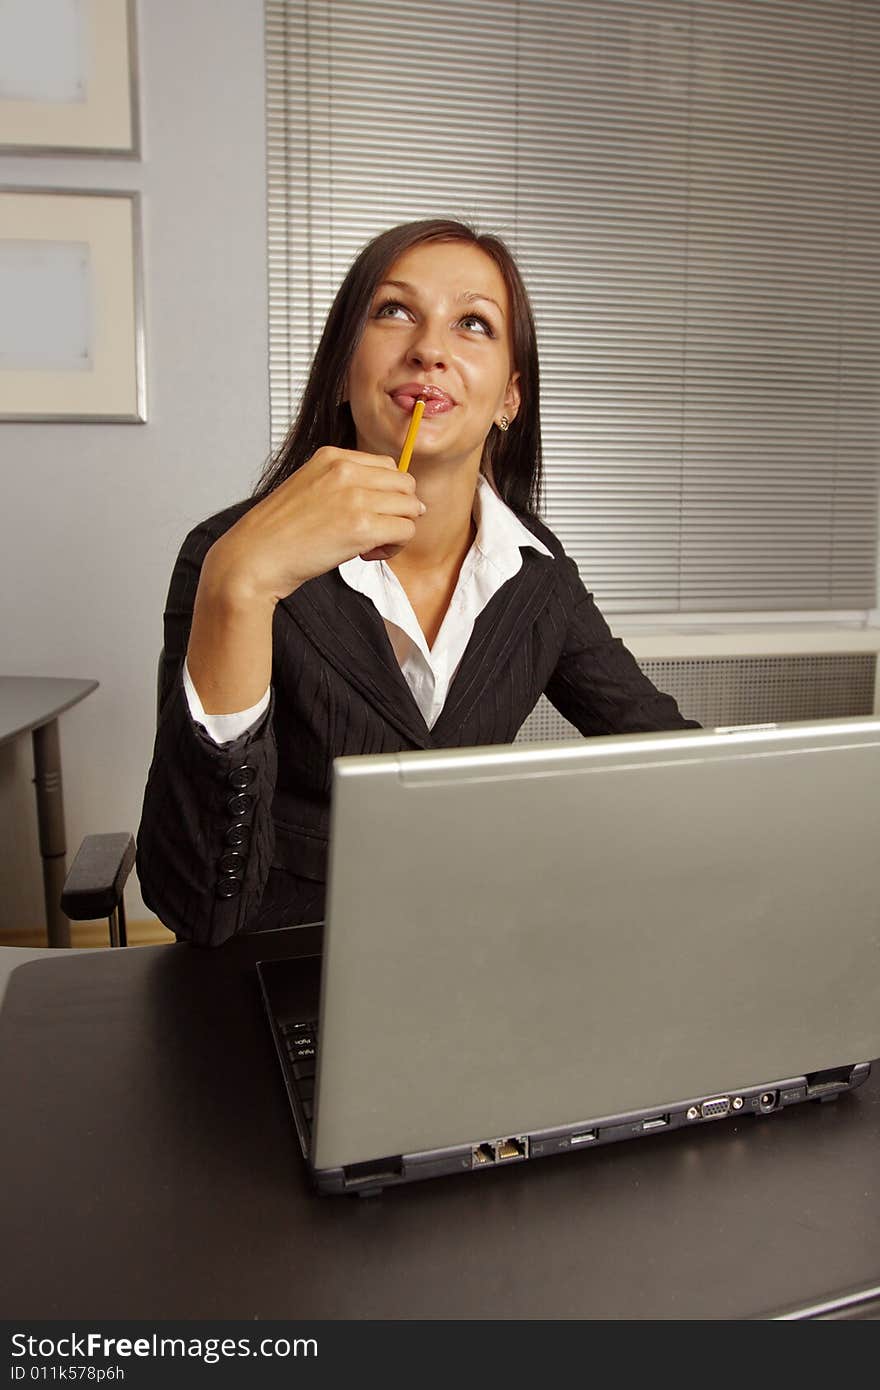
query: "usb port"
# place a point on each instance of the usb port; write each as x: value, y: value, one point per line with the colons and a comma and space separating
x: 658, y: 1122
x: 588, y: 1137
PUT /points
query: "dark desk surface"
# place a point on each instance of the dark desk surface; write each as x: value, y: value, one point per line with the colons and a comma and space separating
x: 150, y: 1170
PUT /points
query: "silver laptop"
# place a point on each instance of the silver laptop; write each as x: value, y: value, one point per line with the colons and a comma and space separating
x: 539, y: 949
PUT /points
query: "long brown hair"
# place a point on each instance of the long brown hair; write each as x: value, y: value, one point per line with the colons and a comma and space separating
x: 512, y: 459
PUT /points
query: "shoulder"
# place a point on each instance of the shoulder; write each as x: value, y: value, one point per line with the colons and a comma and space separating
x: 571, y: 591
x: 567, y: 573
x: 199, y: 540
x: 543, y: 533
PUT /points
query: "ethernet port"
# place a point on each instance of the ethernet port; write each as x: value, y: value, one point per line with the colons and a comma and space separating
x: 509, y: 1149
x: 482, y: 1154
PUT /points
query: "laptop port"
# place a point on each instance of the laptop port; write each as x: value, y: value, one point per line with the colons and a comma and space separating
x: 372, y: 1174
x: 481, y: 1154
x: 658, y: 1122
x: 715, y: 1108
x: 767, y: 1101
x: 589, y: 1136
x: 826, y: 1083
x: 507, y: 1149
x: 499, y: 1151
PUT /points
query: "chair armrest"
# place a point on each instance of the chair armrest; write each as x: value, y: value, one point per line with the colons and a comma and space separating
x: 95, y: 881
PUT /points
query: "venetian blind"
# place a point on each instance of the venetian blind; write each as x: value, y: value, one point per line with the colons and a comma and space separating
x: 692, y: 190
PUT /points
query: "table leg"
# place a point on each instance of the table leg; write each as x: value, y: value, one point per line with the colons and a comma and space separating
x: 50, y: 818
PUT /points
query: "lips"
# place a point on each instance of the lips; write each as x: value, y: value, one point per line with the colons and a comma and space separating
x: 437, y: 401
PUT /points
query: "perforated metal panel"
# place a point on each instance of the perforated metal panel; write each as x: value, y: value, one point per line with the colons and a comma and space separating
x: 744, y: 690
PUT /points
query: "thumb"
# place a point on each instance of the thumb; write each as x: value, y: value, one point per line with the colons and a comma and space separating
x: 381, y: 552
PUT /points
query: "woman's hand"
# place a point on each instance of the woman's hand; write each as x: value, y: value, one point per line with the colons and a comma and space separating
x: 340, y: 504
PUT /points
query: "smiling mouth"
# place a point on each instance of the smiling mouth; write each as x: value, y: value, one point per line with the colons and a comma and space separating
x: 437, y: 402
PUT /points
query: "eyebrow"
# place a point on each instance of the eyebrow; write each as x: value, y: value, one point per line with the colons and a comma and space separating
x: 466, y: 297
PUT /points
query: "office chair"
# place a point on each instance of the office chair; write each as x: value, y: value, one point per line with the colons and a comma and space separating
x: 95, y: 882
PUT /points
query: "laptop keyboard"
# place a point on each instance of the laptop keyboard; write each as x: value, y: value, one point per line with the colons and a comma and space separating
x: 300, y: 1043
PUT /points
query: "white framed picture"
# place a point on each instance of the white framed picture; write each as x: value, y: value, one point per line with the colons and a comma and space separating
x: 71, y: 308
x: 68, y: 82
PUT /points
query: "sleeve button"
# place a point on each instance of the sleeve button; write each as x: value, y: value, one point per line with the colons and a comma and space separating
x: 238, y: 835
x: 240, y: 805
x: 232, y: 863
x: 241, y: 777
x: 229, y: 888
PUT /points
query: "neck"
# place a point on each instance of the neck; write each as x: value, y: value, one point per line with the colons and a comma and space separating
x: 445, y: 533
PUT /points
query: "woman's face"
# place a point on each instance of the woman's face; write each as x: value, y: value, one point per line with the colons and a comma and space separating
x: 440, y: 319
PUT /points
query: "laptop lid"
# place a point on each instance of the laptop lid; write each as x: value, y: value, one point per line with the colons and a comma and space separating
x: 525, y: 936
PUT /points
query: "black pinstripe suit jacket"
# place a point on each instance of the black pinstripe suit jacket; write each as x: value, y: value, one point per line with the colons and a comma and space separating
x: 234, y: 837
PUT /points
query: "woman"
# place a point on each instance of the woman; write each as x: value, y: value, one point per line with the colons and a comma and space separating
x: 349, y: 607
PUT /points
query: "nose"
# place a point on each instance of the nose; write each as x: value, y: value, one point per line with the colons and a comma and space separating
x: 427, y: 347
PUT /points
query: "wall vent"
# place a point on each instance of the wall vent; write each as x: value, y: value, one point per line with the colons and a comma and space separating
x: 744, y: 690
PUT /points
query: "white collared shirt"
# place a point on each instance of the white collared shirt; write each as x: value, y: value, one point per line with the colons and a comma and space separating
x: 494, y: 557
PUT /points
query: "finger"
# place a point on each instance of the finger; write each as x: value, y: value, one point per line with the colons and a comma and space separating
x: 388, y: 480
x: 396, y: 504
x: 369, y: 460
x: 365, y: 471
x: 382, y: 552
x: 391, y: 531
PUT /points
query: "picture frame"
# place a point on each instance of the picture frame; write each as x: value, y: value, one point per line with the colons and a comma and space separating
x: 68, y: 78
x: 71, y: 306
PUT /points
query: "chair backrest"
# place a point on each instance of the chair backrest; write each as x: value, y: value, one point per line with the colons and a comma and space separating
x: 162, y: 683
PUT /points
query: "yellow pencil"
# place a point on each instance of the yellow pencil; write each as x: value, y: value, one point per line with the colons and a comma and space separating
x: 406, y: 451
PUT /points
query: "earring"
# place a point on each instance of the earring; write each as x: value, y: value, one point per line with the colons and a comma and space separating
x: 504, y: 424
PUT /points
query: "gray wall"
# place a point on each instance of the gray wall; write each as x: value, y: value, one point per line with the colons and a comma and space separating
x: 93, y: 514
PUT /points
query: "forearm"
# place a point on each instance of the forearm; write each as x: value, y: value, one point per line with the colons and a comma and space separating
x: 229, y: 655
x: 206, y: 838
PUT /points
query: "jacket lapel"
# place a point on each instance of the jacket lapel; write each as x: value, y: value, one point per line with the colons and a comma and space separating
x: 345, y: 627
x: 503, y: 624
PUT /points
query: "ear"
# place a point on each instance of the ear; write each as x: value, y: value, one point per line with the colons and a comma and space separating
x: 512, y: 398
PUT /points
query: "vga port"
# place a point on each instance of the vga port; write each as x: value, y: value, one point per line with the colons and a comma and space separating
x: 714, y: 1109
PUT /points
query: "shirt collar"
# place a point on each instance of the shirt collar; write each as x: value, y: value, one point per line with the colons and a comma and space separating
x: 499, y: 530
x: 500, y: 537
